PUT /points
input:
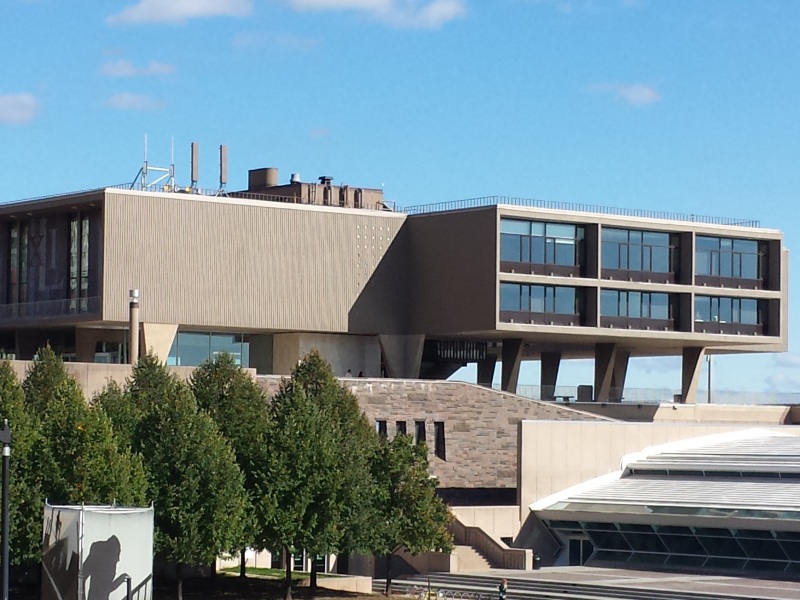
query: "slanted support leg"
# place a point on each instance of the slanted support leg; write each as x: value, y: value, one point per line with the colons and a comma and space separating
x: 486, y: 370
x: 551, y: 361
x: 690, y: 373
x: 512, y: 357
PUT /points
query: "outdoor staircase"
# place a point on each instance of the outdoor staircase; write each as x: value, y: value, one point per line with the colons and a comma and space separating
x: 470, y: 560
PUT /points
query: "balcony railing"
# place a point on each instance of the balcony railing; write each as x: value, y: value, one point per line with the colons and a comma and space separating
x: 573, y: 207
x: 50, y: 309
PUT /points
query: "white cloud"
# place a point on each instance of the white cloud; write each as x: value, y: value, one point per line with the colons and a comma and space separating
x: 791, y: 361
x: 125, y: 68
x: 178, y: 11
x: 635, y: 94
x: 413, y: 14
x: 588, y: 6
x: 128, y: 101
x: 276, y: 40
x: 18, y: 109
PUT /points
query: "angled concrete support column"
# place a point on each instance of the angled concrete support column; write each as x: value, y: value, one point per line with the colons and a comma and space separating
x: 618, y: 374
x: 691, y: 367
x: 157, y: 339
x: 604, y: 359
x: 512, y: 357
x: 486, y: 370
x: 551, y: 361
x: 402, y: 354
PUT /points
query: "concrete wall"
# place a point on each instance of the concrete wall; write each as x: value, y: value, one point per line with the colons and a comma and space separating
x: 93, y: 377
x: 356, y: 353
x: 694, y: 413
x: 497, y: 521
x: 249, y: 265
x: 558, y: 455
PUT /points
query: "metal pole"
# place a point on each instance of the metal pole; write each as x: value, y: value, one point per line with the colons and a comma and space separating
x: 708, y: 360
x: 134, y: 327
x: 5, y: 439
x: 128, y: 587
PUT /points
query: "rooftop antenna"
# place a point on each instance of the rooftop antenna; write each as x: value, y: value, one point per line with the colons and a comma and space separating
x: 167, y: 173
x: 195, y: 165
x: 223, y: 169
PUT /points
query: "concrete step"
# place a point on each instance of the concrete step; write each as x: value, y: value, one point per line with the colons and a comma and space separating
x: 469, y: 559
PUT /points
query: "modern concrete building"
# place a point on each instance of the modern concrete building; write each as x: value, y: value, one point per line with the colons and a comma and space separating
x: 272, y: 271
x: 724, y: 502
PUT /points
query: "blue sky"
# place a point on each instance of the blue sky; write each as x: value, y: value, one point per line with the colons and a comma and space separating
x: 655, y: 104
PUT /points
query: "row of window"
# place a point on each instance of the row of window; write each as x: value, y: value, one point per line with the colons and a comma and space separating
x: 420, y: 436
x: 631, y: 250
x: 563, y: 300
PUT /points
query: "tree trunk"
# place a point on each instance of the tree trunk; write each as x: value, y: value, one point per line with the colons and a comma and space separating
x: 288, y: 581
x: 313, y: 582
x: 243, y: 563
x: 179, y: 575
x: 388, y: 590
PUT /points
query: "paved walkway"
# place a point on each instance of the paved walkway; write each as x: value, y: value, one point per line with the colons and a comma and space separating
x: 710, y: 584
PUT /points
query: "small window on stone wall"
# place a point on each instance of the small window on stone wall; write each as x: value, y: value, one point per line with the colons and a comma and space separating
x: 380, y: 427
x: 438, y: 428
x: 400, y: 428
x: 419, y: 432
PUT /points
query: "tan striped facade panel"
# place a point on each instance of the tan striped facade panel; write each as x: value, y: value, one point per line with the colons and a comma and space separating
x: 220, y: 263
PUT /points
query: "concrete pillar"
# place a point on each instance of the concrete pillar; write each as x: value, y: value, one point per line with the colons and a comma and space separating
x: 86, y: 344
x: 604, y: 356
x: 512, y: 357
x: 402, y: 355
x: 157, y: 338
x: 486, y: 370
x: 551, y: 361
x: 692, y: 365
x: 618, y: 374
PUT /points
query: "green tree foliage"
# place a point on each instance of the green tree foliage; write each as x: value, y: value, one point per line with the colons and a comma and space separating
x: 347, y: 526
x: 240, y: 408
x: 88, y: 466
x: 411, y: 515
x: 193, y: 478
x: 30, y: 460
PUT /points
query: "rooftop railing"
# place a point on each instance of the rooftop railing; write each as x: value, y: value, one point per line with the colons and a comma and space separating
x: 573, y: 207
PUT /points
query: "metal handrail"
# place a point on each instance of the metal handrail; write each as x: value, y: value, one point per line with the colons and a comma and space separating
x: 575, y: 207
x: 51, y: 308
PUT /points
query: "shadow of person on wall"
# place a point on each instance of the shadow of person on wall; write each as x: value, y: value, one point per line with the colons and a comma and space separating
x: 100, y: 568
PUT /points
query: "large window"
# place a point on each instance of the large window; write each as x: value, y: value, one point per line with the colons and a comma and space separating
x: 78, y: 262
x: 716, y: 309
x: 634, y: 250
x: 540, y: 304
x: 636, y: 305
x: 191, y: 349
x: 540, y: 243
x: 728, y: 258
x: 538, y: 299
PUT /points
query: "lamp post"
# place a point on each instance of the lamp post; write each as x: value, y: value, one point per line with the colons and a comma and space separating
x: 5, y: 439
x: 134, y: 326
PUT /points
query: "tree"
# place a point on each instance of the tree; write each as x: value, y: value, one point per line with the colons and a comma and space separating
x: 411, y: 515
x: 301, y: 471
x: 30, y: 460
x: 86, y: 465
x: 239, y: 407
x: 193, y: 479
x: 348, y: 525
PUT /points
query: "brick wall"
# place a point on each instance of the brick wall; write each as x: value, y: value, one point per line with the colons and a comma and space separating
x: 481, y: 425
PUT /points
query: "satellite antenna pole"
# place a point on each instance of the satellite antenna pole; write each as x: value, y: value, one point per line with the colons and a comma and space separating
x: 172, y: 163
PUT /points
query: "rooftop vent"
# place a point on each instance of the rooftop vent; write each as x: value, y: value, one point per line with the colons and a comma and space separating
x: 325, y: 179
